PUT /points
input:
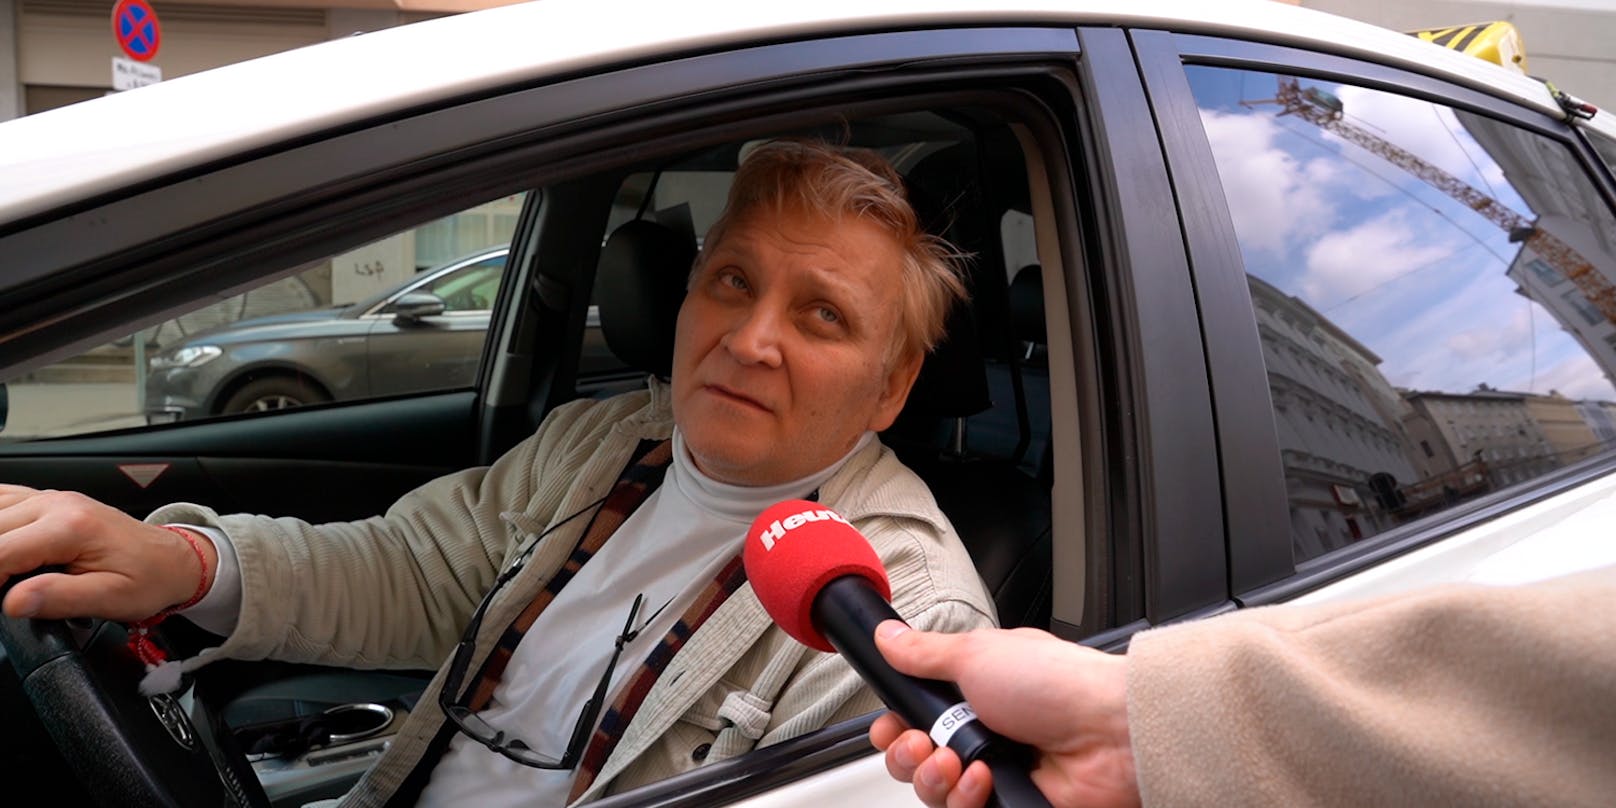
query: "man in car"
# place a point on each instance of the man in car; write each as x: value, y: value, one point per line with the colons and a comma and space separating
x: 808, y: 314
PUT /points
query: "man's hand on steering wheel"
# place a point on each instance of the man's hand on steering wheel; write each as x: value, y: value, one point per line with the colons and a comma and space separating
x: 111, y: 565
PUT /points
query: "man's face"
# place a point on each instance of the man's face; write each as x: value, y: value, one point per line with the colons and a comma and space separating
x: 782, y: 357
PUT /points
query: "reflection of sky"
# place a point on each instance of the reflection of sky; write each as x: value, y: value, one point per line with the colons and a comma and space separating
x: 1405, y: 269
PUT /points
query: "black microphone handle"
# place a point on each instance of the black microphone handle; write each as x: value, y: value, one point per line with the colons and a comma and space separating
x: 846, y: 611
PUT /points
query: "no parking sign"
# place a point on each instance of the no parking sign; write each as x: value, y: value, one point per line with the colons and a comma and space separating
x: 139, y: 35
x: 135, y: 26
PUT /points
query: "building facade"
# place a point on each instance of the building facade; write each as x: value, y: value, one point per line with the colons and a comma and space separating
x: 1508, y: 437
x: 57, y: 52
x: 1569, y: 436
x: 1567, y: 41
x: 1600, y: 416
x: 1338, y: 420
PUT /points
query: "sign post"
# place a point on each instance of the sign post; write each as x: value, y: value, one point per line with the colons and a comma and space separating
x: 139, y: 35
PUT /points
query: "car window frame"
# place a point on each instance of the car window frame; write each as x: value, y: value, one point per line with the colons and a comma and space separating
x: 1262, y: 567
x: 762, y: 770
x: 1116, y: 267
x: 1154, y: 346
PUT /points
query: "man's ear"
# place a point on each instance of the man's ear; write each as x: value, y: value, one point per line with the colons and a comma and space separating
x: 895, y: 392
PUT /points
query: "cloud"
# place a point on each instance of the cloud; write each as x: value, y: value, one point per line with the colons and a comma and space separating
x: 1481, y: 332
x: 1271, y: 198
x: 1429, y: 131
x: 1492, y: 341
x: 1396, y: 263
x: 1437, y: 341
x: 1577, y: 377
x: 1372, y: 253
x: 1336, y: 175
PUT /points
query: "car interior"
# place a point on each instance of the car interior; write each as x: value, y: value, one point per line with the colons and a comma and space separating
x: 976, y: 427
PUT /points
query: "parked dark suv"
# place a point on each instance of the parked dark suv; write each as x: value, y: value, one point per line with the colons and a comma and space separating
x: 421, y: 335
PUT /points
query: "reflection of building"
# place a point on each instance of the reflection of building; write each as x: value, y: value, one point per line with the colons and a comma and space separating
x: 1567, y: 433
x: 1600, y: 416
x: 1573, y: 211
x: 1493, y: 427
x: 1546, y: 285
x: 1338, y: 421
x: 1508, y: 437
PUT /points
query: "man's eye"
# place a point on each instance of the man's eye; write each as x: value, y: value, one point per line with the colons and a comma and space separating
x: 733, y: 280
x: 828, y: 314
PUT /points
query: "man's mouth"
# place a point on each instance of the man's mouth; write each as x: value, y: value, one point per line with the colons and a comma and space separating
x: 738, y: 397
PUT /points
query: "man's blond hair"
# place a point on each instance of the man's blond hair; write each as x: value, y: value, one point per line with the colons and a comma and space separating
x: 835, y: 182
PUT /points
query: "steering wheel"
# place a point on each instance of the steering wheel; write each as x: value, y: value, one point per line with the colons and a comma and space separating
x: 126, y: 749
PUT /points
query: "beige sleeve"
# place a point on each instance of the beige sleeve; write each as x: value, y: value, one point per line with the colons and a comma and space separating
x: 1457, y: 695
x: 394, y: 590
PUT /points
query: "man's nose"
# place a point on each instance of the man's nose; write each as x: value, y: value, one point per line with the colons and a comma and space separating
x: 755, y: 339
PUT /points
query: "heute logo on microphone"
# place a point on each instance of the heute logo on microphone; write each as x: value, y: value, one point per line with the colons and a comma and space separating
x: 778, y: 529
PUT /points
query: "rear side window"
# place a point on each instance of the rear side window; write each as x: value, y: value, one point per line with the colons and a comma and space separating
x: 1434, y: 293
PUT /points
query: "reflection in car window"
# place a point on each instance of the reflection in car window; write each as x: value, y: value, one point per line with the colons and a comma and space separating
x: 302, y: 339
x: 1605, y: 148
x: 1433, y: 290
x: 471, y: 288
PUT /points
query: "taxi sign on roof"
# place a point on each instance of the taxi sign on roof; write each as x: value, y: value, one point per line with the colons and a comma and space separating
x: 1496, y: 42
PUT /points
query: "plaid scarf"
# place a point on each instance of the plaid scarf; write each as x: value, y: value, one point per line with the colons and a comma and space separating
x: 628, y: 702
x: 643, y: 476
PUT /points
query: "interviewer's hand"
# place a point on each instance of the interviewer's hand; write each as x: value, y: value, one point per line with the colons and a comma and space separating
x: 1068, y: 701
x: 113, y: 566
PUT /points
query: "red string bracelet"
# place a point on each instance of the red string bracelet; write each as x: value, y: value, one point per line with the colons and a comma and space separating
x: 140, y: 639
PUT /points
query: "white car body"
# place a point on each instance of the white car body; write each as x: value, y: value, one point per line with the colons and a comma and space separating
x: 69, y: 153
x: 60, y: 158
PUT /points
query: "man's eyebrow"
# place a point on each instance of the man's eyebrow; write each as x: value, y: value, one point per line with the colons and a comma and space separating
x: 728, y: 247
x: 838, y: 285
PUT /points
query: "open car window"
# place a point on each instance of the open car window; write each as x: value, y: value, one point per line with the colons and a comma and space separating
x: 301, y: 339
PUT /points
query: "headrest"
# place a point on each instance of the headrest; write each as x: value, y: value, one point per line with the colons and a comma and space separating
x: 640, y: 285
x: 953, y: 380
x: 1027, y: 305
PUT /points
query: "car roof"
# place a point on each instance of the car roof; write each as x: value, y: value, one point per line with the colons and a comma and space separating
x: 63, y: 156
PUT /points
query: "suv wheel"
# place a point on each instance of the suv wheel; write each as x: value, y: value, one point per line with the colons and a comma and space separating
x: 273, y: 393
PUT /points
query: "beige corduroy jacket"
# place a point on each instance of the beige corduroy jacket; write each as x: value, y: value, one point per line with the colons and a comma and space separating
x: 1461, y: 695
x: 397, y: 590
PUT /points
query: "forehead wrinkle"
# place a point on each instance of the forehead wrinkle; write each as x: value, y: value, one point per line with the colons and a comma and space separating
x: 839, y: 273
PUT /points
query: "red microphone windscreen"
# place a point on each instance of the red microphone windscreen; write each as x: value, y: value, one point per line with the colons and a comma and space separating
x: 792, y: 550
